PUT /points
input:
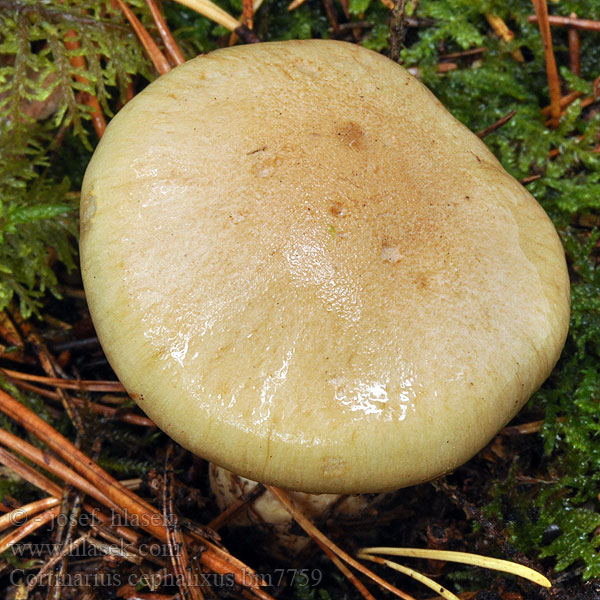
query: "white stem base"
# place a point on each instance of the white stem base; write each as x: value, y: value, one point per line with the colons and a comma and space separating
x: 267, y: 515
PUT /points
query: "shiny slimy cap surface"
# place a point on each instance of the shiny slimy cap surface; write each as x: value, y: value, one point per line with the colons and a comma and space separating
x: 305, y: 270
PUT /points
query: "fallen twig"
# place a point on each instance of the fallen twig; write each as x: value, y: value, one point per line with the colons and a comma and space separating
x: 234, y: 508
x: 21, y: 515
x: 316, y: 534
x: 156, y: 56
x: 165, y: 33
x: 28, y: 528
x: 584, y: 24
x: 574, y: 54
x: 70, y: 384
x: 350, y: 576
x: 100, y: 409
x: 502, y: 30
x: 175, y: 543
x: 71, y: 42
x: 541, y: 10
x: 397, y: 29
x: 505, y: 119
x: 50, y: 367
x: 96, y: 482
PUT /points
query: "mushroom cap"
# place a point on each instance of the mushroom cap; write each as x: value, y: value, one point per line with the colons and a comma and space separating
x: 305, y: 270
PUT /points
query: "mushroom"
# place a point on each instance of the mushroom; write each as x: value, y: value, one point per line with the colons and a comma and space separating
x: 270, y: 521
x: 306, y: 271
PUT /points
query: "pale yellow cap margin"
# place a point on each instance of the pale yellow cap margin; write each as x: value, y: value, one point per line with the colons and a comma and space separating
x: 306, y: 270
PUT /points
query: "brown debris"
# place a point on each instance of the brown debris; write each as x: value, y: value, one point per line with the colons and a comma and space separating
x: 497, y: 124
x: 397, y: 29
x: 171, y: 45
x: 98, y: 484
x: 158, y: 59
x: 321, y: 539
x: 574, y: 53
x: 582, y: 24
x: 541, y: 11
x: 99, y: 122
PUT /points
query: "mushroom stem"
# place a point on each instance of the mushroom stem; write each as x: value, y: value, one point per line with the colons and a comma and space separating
x: 266, y: 515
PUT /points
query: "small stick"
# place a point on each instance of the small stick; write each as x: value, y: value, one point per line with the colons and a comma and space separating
x: 112, y: 550
x: 42, y: 482
x: 24, y: 530
x: 21, y: 515
x: 295, y: 4
x: 63, y: 536
x: 346, y: 8
x: 98, y: 121
x: 350, y: 576
x: 505, y: 119
x: 117, y: 495
x: 331, y: 16
x: 397, y: 29
x: 256, y: 4
x: 463, y: 53
x: 9, y: 332
x: 114, y: 494
x: 165, y: 33
x: 574, y: 54
x: 28, y: 473
x: 529, y: 179
x: 316, y: 534
x: 91, y: 342
x: 34, y: 582
x: 177, y: 549
x: 444, y: 67
x: 525, y: 428
x: 354, y: 26
x: 212, y: 12
x: 541, y: 10
x: 236, y: 507
x: 70, y: 384
x: 584, y: 103
x: 585, y: 24
x: 54, y: 466
x: 248, y: 13
x: 100, y: 409
x: 156, y: 56
x: 16, y: 355
x: 564, y: 102
x: 502, y: 30
x: 50, y: 367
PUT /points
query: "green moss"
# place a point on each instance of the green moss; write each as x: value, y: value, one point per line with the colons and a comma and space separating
x: 40, y: 98
x: 478, y: 93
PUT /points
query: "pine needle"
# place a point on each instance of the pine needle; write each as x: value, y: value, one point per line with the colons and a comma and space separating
x: 430, y: 583
x: 465, y: 558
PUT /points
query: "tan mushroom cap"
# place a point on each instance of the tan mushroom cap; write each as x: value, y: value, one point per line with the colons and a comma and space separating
x: 306, y: 270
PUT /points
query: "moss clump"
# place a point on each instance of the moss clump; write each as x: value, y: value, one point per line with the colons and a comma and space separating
x: 43, y: 94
